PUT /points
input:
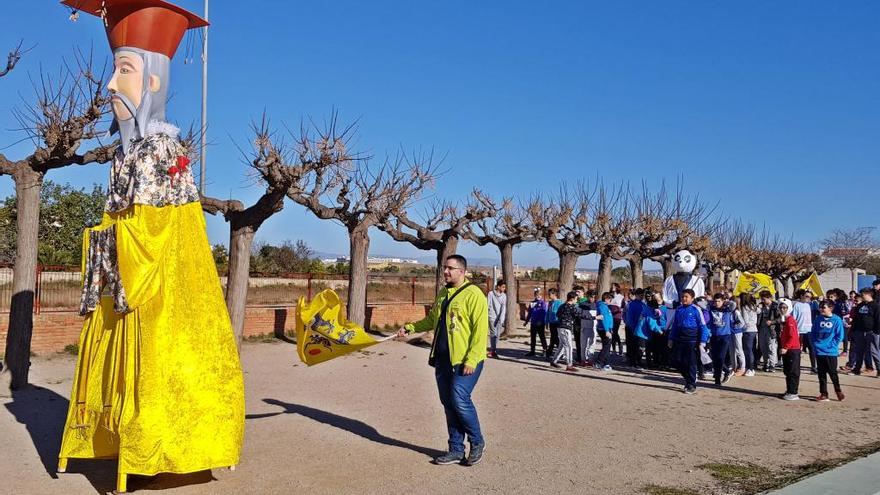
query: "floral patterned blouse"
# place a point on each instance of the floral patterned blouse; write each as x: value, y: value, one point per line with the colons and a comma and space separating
x: 154, y: 172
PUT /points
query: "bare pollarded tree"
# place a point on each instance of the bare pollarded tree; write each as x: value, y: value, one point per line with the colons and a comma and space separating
x: 507, y: 226
x: 12, y: 59
x: 660, y: 220
x: 443, y: 226
x: 850, y: 248
x: 563, y: 223
x: 609, y: 223
x: 320, y: 173
x: 244, y: 223
x: 65, y: 113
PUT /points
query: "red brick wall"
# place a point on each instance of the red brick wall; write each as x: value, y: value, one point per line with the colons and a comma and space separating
x: 55, y: 330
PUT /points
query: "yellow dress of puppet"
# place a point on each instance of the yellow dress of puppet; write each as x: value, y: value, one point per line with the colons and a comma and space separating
x: 158, y: 382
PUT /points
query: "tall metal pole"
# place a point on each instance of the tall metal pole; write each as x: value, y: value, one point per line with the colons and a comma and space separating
x: 203, y: 138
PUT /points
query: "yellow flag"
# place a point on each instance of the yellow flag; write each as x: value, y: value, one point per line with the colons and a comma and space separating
x: 753, y: 283
x: 322, y: 332
x: 812, y: 284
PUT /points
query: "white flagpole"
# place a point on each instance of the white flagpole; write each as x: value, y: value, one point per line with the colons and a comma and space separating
x: 202, y: 157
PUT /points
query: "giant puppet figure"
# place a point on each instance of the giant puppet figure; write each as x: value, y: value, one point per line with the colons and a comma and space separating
x: 683, y: 265
x: 158, y: 382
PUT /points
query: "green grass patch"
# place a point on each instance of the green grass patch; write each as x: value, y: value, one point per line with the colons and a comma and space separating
x: 668, y: 490
x: 734, y: 473
x: 72, y: 349
x: 261, y: 338
x: 749, y: 479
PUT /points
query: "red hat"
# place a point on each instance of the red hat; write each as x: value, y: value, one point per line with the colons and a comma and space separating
x: 151, y: 25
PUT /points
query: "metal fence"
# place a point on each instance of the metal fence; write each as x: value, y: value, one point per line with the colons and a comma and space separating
x: 58, y: 288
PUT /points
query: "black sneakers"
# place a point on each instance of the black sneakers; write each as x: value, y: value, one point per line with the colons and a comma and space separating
x: 448, y: 458
x: 476, y: 454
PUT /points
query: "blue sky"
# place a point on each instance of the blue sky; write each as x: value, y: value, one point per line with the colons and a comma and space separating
x: 771, y: 108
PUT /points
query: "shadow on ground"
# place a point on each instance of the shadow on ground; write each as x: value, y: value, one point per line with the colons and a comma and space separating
x: 43, y: 413
x: 359, y: 428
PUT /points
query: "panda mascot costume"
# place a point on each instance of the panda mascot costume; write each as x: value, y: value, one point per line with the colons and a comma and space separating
x: 683, y: 277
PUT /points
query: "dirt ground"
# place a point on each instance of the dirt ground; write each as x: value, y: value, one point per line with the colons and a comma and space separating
x: 368, y: 423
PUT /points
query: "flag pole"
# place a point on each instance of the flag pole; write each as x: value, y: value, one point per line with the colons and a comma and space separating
x: 202, y: 137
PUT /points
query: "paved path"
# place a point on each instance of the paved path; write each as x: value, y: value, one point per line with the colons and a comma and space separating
x: 860, y: 477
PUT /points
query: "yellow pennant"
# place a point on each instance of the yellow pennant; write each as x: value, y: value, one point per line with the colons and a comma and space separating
x: 812, y: 284
x: 753, y: 283
x: 323, y: 333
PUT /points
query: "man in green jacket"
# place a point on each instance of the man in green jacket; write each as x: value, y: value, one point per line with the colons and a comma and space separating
x: 460, y: 321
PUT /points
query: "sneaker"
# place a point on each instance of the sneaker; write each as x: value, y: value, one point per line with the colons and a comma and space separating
x: 492, y: 354
x: 822, y: 398
x: 690, y: 390
x: 571, y: 369
x: 771, y: 370
x: 718, y: 382
x: 606, y: 368
x: 840, y: 395
x: 448, y: 458
x: 790, y: 397
x: 476, y: 454
x: 750, y: 373
x: 555, y: 365
x: 727, y: 376
x: 701, y: 377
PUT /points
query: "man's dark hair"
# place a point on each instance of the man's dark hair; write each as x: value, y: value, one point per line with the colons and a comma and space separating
x: 639, y: 292
x: 826, y: 304
x: 500, y: 283
x: 459, y: 258
x: 606, y: 296
x: 765, y: 293
x: 718, y: 295
x: 591, y: 293
x: 689, y: 291
x: 571, y: 295
x: 577, y: 287
x: 799, y: 293
x: 553, y: 290
x: 876, y: 281
x: 867, y: 290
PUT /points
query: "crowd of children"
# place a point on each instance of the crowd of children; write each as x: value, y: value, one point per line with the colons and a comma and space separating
x: 720, y: 334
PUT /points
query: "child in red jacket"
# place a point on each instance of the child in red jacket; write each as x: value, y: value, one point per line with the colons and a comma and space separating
x: 790, y: 343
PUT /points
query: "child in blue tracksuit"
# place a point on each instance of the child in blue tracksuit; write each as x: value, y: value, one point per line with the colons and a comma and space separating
x: 655, y: 352
x: 604, y: 328
x: 552, y: 322
x: 634, y: 318
x: 827, y: 334
x: 721, y: 328
x: 688, y: 335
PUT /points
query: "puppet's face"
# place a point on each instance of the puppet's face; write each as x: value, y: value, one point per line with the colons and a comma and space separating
x: 684, y: 262
x: 127, y: 84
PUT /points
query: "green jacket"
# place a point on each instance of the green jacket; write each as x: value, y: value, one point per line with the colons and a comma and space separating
x: 467, y: 324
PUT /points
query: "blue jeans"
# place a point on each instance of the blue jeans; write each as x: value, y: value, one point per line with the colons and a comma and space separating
x: 720, y: 348
x: 455, y: 395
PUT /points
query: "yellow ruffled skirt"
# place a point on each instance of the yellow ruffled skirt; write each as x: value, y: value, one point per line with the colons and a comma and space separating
x: 160, y: 387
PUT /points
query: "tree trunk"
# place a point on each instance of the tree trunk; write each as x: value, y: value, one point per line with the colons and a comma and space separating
x: 603, y: 281
x: 637, y: 272
x: 567, y: 265
x: 241, y: 239
x: 359, y: 245
x: 788, y: 283
x: 24, y: 276
x: 448, y: 249
x: 666, y: 263
x: 722, y: 278
x: 509, y: 275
